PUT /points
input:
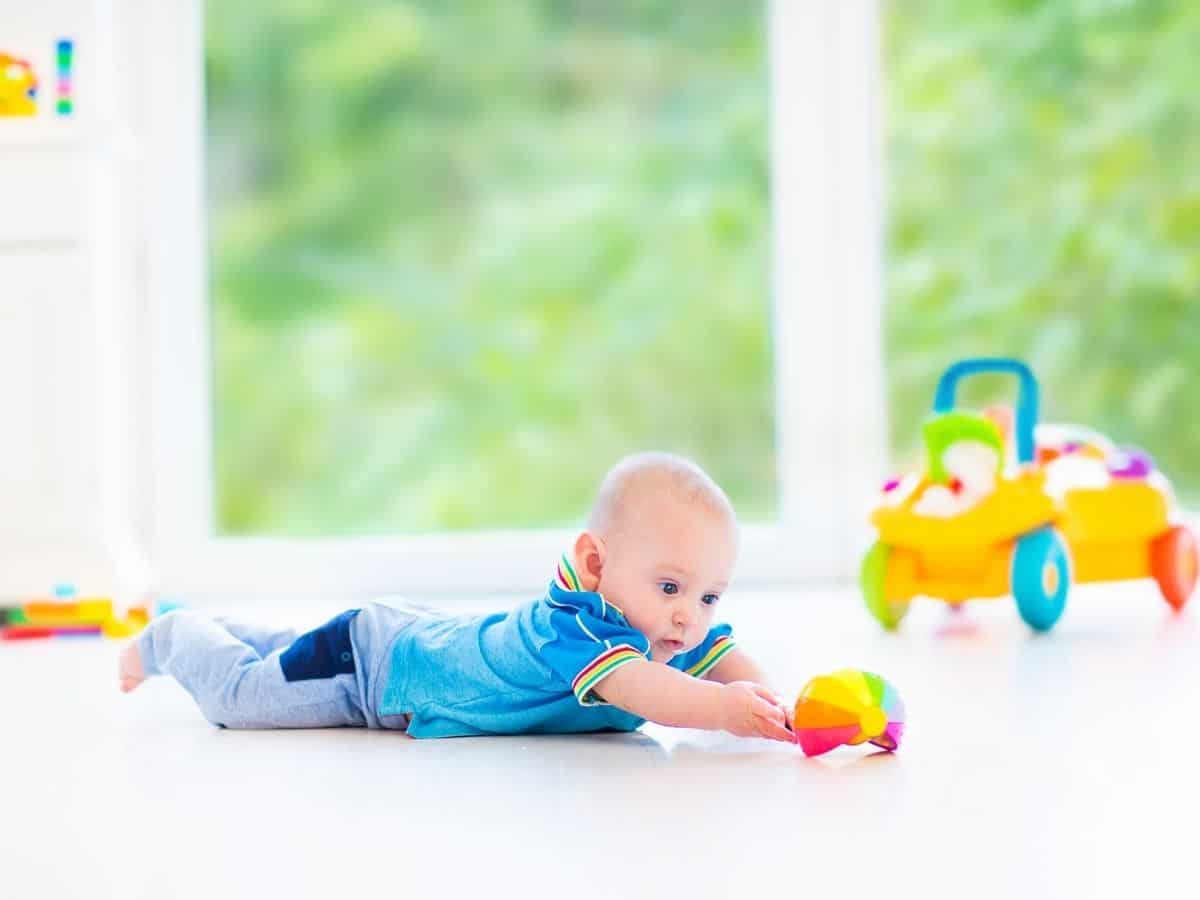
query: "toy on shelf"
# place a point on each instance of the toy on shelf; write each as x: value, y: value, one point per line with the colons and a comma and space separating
x: 69, y: 616
x: 847, y: 707
x: 28, y: 632
x: 1007, y: 506
x: 18, y: 86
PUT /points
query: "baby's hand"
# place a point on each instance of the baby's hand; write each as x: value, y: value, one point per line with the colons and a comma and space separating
x: 750, y: 710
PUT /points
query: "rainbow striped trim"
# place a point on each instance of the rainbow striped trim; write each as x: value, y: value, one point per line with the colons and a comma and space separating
x: 566, y: 578
x: 600, y: 667
x: 720, y: 647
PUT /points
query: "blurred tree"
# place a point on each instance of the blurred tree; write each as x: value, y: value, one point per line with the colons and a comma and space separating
x: 1045, y: 203
x: 466, y: 255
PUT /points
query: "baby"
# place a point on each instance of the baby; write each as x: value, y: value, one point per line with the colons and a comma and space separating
x: 623, y: 635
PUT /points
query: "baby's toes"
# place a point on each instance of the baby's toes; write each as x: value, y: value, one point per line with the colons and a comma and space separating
x: 129, y: 668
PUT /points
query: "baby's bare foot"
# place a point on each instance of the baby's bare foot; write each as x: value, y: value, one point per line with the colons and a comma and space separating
x: 129, y: 670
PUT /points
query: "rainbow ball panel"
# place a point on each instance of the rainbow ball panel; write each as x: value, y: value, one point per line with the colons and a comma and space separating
x: 851, y: 707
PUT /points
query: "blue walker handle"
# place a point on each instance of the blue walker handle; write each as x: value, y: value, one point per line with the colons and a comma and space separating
x: 1027, y: 399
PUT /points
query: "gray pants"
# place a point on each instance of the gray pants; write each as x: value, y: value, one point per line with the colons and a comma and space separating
x: 246, y: 676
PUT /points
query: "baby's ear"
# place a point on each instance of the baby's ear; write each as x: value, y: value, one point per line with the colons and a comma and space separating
x: 589, y: 560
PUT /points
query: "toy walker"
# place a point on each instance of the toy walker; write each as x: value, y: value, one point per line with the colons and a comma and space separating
x: 1006, y: 506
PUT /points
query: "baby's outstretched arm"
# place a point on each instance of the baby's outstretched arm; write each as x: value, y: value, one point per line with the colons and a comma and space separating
x: 670, y: 697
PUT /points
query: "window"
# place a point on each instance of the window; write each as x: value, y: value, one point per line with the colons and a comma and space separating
x: 406, y: 322
x: 451, y: 287
x: 1044, y: 204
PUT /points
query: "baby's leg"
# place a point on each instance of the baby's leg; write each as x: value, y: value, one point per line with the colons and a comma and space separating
x: 235, y: 686
x: 262, y: 638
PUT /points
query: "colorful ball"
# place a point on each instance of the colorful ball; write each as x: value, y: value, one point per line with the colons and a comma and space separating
x: 848, y: 707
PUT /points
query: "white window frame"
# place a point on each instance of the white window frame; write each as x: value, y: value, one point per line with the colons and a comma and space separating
x: 826, y: 290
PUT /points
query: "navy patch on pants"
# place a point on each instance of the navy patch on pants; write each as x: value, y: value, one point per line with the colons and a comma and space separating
x: 321, y: 653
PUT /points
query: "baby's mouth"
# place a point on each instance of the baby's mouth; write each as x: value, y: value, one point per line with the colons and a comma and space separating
x: 672, y: 645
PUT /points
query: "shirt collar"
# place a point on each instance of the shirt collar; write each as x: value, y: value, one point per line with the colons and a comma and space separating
x: 566, y: 579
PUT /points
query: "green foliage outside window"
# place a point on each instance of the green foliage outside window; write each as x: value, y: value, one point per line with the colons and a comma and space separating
x: 1045, y: 203
x: 464, y: 256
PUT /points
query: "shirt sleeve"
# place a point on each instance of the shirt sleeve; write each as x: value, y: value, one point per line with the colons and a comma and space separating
x: 715, y: 645
x: 586, y: 648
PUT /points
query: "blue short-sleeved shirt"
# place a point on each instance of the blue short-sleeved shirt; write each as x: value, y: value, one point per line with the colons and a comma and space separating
x: 533, y: 669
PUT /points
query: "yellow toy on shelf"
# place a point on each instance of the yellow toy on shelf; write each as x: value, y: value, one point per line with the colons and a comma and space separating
x: 18, y: 86
x: 1070, y: 507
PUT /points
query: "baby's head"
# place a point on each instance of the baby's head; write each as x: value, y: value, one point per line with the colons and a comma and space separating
x: 660, y: 545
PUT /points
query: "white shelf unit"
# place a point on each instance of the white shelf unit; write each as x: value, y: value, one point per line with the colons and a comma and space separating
x: 66, y: 302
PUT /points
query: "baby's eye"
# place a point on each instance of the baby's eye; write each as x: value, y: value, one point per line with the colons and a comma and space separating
x: 710, y: 599
x: 669, y: 587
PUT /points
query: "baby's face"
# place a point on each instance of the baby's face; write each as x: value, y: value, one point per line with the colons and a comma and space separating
x: 667, y: 571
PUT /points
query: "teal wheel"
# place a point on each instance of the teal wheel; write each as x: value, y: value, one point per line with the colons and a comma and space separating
x: 1041, y: 577
x: 873, y: 578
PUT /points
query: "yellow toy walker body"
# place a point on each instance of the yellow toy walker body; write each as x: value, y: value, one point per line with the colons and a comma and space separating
x: 1071, y: 507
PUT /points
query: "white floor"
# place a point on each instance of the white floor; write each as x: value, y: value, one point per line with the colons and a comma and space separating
x: 1034, y: 766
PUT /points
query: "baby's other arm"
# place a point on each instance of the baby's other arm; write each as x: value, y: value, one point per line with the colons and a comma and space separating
x: 669, y: 697
x: 736, y: 665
